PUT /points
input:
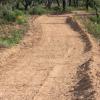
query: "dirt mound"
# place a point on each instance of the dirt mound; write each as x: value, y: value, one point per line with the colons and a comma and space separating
x: 77, y: 27
x: 87, y: 86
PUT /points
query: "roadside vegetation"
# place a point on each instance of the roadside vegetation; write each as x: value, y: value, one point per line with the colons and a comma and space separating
x: 93, y: 27
x: 92, y: 22
x: 14, y: 16
x: 13, y: 25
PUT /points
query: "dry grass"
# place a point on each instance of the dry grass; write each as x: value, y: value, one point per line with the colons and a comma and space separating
x: 11, y: 33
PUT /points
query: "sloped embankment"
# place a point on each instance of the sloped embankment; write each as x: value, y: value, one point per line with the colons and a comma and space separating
x: 87, y: 83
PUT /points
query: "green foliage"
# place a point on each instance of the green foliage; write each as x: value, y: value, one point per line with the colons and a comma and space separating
x: 14, y: 39
x: 13, y: 11
x: 93, y: 27
x: 94, y: 19
x: 56, y: 9
x: 7, y: 14
x: 39, y: 10
x: 18, y: 13
x: 21, y: 19
x: 10, y: 32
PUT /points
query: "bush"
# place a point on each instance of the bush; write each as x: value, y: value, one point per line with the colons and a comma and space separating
x: 10, y: 32
x: 21, y: 19
x: 15, y: 16
x: 93, y: 28
x: 38, y: 10
x: 7, y: 13
x: 10, y: 15
x: 15, y: 38
x: 56, y: 10
x: 94, y: 19
x: 18, y: 13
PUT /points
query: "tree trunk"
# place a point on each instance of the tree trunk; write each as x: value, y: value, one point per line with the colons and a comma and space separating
x: 70, y: 2
x: 58, y: 3
x: 49, y: 3
x: 87, y: 4
x: 26, y: 6
x: 17, y: 5
x: 64, y: 5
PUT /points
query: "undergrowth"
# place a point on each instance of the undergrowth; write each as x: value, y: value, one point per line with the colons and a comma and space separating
x: 92, y: 26
x: 13, y: 25
x: 11, y: 34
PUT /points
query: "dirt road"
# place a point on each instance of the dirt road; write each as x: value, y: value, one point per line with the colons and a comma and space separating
x: 55, y: 68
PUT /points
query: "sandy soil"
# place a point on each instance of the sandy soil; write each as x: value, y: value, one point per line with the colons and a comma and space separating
x: 56, y: 63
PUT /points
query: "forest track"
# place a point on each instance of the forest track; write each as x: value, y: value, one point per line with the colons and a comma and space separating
x: 56, y: 63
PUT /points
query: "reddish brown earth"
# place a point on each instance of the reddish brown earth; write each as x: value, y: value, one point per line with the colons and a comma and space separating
x: 54, y: 62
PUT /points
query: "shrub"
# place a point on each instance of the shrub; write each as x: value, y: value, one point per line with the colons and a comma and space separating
x: 93, y: 28
x: 69, y: 9
x: 17, y: 16
x: 15, y: 38
x: 56, y: 9
x: 94, y: 19
x: 9, y: 16
x: 39, y: 10
x: 18, y: 13
x: 21, y: 19
x: 10, y: 32
x: 7, y: 13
